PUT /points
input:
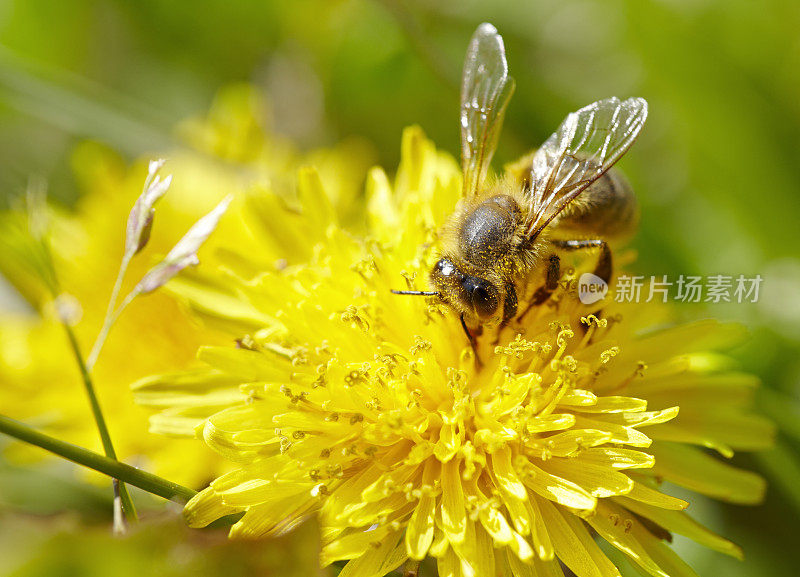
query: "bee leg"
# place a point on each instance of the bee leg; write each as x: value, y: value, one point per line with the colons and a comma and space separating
x: 472, y: 340
x: 466, y: 331
x: 550, y: 284
x: 470, y: 336
x: 602, y: 269
x: 551, y: 281
x: 510, y: 304
x: 604, y: 265
x: 509, y: 309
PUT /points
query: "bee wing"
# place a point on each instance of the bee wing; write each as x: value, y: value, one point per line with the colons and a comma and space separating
x: 486, y: 89
x: 583, y: 148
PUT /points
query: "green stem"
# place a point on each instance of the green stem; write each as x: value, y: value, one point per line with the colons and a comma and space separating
x: 131, y: 475
x: 123, y: 504
x: 110, y: 316
x: 105, y: 436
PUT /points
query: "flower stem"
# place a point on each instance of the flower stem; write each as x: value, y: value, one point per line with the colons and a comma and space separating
x: 124, y: 508
x: 120, y: 522
x: 111, y: 317
x: 125, y: 473
x: 105, y: 436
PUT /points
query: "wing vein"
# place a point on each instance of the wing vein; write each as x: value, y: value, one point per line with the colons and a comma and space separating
x: 583, y: 148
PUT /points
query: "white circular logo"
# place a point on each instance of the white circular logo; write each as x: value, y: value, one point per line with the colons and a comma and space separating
x: 591, y: 288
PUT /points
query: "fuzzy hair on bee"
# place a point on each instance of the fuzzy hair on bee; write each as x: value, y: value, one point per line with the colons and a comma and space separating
x: 483, y: 247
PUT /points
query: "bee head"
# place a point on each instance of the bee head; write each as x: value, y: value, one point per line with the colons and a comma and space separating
x: 468, y: 294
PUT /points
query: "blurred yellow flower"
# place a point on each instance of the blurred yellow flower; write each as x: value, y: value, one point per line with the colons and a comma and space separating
x: 227, y: 152
x: 368, y: 409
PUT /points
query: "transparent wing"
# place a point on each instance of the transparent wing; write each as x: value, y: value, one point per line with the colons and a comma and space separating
x: 583, y: 148
x: 486, y: 89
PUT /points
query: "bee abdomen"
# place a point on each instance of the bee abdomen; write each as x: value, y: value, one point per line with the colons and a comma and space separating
x: 608, y: 209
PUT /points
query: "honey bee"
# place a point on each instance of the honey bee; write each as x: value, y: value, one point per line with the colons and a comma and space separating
x: 562, y: 197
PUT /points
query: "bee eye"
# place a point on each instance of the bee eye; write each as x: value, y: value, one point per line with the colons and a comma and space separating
x: 485, y: 298
x: 445, y: 267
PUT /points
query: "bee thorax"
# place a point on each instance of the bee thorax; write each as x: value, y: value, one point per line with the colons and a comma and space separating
x: 487, y: 232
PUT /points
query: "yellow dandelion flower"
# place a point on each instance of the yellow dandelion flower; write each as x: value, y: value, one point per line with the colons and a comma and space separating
x: 370, y: 411
x: 39, y: 379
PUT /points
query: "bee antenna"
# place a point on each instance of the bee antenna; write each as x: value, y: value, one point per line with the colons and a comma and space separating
x: 418, y: 293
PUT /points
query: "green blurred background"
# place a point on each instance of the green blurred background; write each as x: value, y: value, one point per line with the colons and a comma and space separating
x: 717, y: 168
